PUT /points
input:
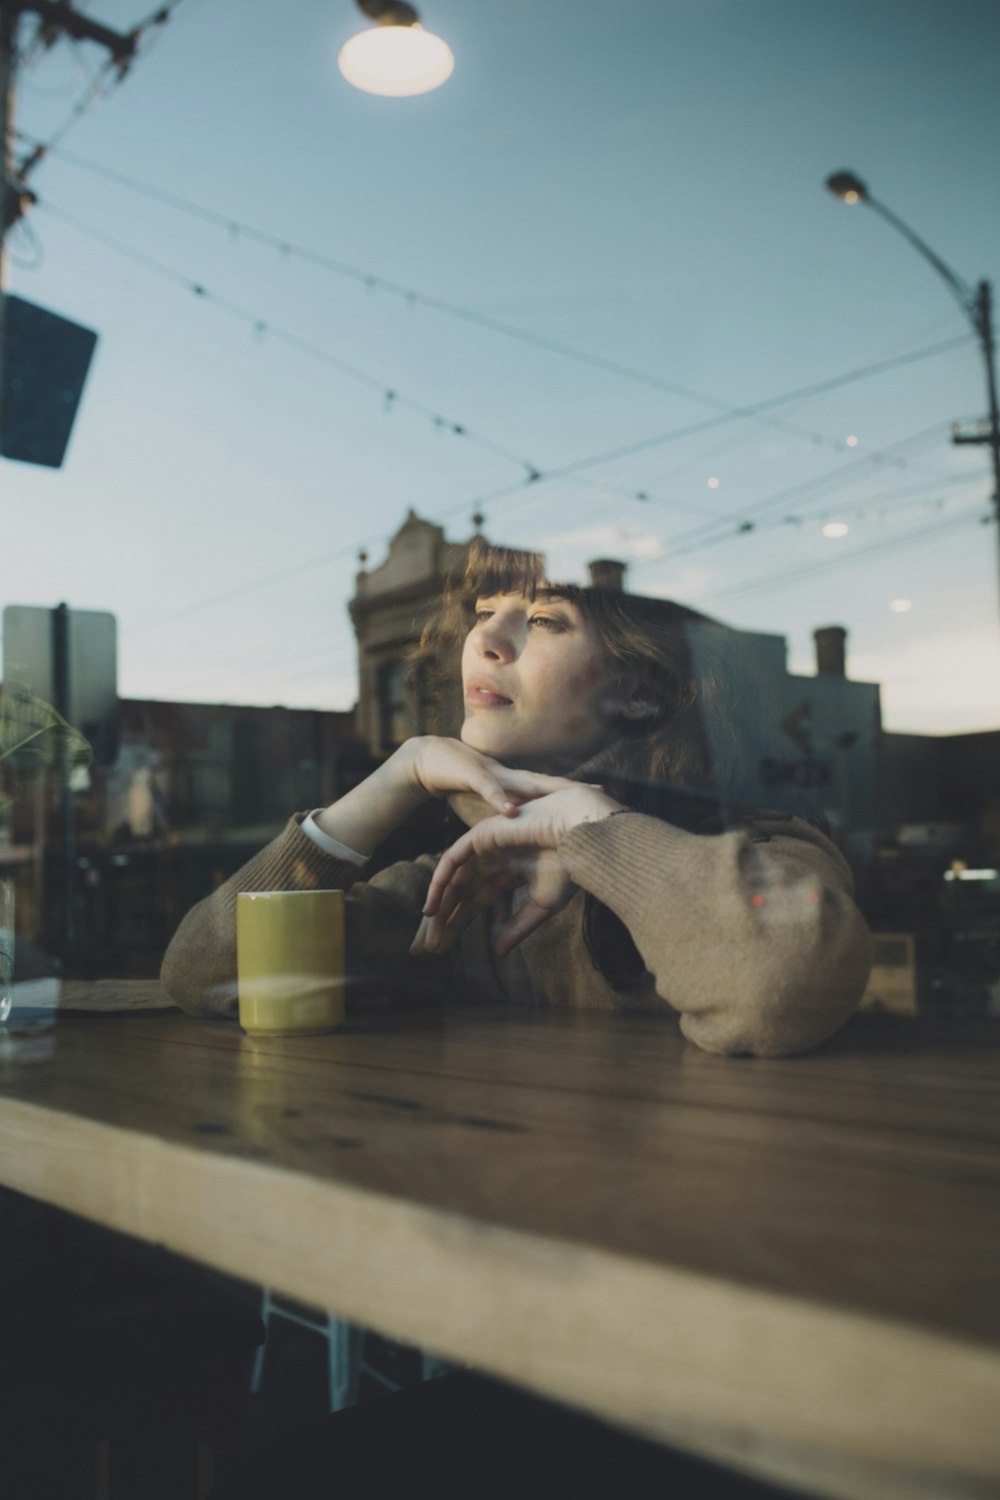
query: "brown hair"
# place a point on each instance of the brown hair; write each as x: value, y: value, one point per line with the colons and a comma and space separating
x: 702, y: 689
x: 687, y: 761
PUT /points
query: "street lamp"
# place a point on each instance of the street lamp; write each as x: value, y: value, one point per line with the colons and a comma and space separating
x: 975, y: 302
x: 396, y: 56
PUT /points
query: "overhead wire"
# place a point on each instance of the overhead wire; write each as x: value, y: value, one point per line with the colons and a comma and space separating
x: 373, y: 281
x: 319, y: 560
x: 533, y: 475
x: 738, y: 521
x: 345, y: 652
x: 262, y: 326
x: 98, y: 86
x: 858, y: 510
x: 808, y: 570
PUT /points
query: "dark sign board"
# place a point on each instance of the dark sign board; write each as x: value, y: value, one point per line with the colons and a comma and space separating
x: 86, y: 690
x: 45, y: 363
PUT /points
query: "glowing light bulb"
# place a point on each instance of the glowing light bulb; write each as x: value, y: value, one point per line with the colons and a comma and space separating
x: 396, y: 61
x: 835, y: 528
x: 901, y: 606
x: 713, y: 483
x: 852, y: 197
x: 852, y: 441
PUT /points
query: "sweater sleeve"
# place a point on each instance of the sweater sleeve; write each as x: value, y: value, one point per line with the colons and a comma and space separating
x: 381, y: 918
x: 756, y: 942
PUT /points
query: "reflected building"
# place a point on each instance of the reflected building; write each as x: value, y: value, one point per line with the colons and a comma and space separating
x: 195, y: 789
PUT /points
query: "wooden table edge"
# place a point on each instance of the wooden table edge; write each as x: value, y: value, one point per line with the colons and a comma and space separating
x: 830, y: 1400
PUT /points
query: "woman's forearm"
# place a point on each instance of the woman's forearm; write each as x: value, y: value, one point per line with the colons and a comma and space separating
x: 756, y: 941
x: 366, y: 815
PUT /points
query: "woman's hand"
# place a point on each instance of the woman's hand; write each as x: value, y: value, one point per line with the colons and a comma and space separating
x: 500, y: 854
x: 438, y: 767
x: 428, y: 766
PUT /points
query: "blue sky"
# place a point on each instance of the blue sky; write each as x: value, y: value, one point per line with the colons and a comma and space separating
x: 642, y: 181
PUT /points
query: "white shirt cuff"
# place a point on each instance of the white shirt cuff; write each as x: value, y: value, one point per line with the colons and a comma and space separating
x: 313, y: 831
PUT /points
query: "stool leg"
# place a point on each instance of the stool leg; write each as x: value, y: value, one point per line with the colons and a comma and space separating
x: 258, y: 1362
x: 344, y: 1350
x: 431, y: 1366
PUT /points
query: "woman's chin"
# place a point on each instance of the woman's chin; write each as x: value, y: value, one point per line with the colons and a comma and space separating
x: 490, y: 739
x: 477, y: 736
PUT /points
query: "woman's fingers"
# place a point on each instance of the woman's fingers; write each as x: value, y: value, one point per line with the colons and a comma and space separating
x: 417, y: 946
x: 496, y: 795
x: 451, y: 860
x: 519, y: 926
x: 531, y: 784
x: 506, y: 789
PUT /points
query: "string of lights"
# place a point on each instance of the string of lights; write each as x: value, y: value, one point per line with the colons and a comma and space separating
x: 708, y: 516
x: 877, y: 457
x: 262, y: 327
x: 391, y: 397
x: 744, y: 520
x: 768, y: 403
x: 533, y: 475
x: 797, y: 521
x: 290, y: 250
x: 346, y: 654
x: 849, y: 559
x: 873, y: 507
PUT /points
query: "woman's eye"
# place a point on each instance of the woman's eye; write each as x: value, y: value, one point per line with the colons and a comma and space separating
x: 482, y: 614
x: 545, y: 621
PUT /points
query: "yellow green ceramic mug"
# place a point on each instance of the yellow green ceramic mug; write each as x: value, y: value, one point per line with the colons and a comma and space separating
x: 290, y: 961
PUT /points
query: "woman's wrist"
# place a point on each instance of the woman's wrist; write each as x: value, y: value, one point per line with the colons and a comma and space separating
x: 400, y: 770
x: 592, y: 806
x: 365, y: 816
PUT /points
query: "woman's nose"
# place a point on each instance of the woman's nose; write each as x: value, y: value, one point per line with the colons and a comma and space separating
x: 494, y: 643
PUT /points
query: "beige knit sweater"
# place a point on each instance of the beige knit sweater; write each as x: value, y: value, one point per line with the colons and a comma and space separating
x: 751, y: 936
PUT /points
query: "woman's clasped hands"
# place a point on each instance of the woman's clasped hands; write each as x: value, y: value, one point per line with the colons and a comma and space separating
x: 500, y: 853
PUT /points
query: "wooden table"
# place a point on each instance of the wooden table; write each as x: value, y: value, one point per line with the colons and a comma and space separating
x: 791, y: 1266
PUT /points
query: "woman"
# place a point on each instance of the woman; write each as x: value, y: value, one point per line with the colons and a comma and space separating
x: 604, y: 863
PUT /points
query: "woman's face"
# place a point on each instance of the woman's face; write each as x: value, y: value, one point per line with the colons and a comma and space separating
x: 539, y: 689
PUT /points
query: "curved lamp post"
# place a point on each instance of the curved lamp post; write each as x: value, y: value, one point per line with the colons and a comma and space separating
x: 396, y: 56
x: 975, y: 302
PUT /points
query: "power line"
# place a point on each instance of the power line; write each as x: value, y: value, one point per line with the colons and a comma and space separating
x: 569, y: 470
x: 391, y: 396
x: 700, y: 536
x: 877, y: 506
x: 466, y: 506
x: 261, y: 326
x: 818, y: 388
x: 413, y: 298
x: 98, y: 87
x: 533, y: 474
x: 345, y: 653
x: 713, y: 518
x: 808, y: 570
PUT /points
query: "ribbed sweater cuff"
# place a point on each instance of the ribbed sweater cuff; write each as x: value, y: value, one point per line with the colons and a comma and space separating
x: 625, y: 860
x: 295, y: 862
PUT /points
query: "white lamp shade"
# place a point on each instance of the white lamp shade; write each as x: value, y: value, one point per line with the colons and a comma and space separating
x: 396, y: 60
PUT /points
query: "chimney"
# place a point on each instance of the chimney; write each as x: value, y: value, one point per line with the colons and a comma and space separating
x: 606, y: 573
x: 831, y: 655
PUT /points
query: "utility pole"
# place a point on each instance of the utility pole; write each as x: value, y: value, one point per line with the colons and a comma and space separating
x: 58, y: 19
x: 976, y: 303
x: 987, y: 432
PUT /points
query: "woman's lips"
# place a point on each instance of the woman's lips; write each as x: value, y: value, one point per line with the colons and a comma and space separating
x: 480, y: 697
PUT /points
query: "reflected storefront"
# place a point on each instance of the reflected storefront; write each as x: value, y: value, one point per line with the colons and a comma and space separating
x: 507, y: 517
